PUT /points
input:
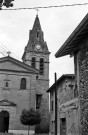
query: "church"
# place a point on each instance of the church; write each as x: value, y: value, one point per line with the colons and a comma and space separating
x: 23, y: 84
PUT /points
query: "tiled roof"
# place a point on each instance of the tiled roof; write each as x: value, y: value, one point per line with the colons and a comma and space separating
x: 59, y: 80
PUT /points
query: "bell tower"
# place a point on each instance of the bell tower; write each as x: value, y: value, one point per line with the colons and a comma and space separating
x: 36, y: 52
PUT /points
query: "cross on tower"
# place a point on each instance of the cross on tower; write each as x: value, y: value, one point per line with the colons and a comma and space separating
x: 37, y: 10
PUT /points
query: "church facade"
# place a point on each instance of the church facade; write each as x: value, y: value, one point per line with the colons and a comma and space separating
x: 23, y: 85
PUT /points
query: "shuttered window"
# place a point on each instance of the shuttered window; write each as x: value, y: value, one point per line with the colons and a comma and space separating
x: 41, y: 66
x: 33, y: 62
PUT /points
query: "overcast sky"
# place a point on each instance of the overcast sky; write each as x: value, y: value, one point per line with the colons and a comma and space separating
x: 57, y: 24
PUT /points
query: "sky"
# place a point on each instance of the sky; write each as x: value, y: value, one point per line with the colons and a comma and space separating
x: 57, y: 25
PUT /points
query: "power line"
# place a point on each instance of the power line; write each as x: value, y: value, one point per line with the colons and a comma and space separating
x: 4, y: 50
x: 59, y: 6
x: 2, y: 53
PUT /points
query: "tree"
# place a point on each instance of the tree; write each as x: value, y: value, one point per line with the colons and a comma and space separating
x: 6, y: 3
x: 30, y: 118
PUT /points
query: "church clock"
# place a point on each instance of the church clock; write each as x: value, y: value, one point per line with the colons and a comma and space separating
x: 38, y: 47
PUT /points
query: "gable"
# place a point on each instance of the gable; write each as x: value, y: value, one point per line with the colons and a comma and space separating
x: 61, y: 79
x: 6, y: 103
x: 10, y: 64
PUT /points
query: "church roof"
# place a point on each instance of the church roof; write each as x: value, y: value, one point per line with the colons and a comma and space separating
x: 73, y: 42
x: 19, y: 64
x: 59, y: 80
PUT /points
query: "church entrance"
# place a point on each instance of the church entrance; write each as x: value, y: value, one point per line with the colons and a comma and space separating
x: 4, y: 121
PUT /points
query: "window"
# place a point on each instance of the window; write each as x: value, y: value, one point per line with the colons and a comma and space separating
x: 38, y: 100
x: 41, y: 66
x: 63, y: 126
x: 52, y: 125
x: 37, y: 34
x: 33, y: 62
x: 23, y: 83
x: 51, y: 105
x: 6, y: 84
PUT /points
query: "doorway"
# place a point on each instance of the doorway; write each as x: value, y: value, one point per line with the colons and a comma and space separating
x: 4, y: 121
x: 63, y: 126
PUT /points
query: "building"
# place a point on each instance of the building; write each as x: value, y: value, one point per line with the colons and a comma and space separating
x: 23, y: 85
x: 77, y: 46
x: 67, y: 102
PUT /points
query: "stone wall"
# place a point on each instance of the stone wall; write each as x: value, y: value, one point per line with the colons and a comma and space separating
x: 66, y: 90
x: 82, y: 69
x: 70, y: 112
x: 68, y: 107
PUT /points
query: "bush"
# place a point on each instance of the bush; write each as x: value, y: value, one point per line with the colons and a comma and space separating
x: 30, y: 117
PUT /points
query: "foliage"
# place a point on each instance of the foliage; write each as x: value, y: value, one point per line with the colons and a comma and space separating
x: 6, y: 3
x: 30, y: 117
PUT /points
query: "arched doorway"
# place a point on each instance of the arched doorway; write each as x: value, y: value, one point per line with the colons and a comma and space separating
x: 4, y: 121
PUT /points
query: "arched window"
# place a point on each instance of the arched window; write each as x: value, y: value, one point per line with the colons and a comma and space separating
x: 41, y: 66
x: 33, y: 62
x: 23, y: 83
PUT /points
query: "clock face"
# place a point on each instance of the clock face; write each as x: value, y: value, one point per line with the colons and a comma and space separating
x: 38, y: 47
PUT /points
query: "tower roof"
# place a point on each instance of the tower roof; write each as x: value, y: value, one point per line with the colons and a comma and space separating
x: 36, y: 24
x: 36, y: 38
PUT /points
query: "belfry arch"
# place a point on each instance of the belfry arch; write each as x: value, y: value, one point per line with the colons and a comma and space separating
x: 4, y: 121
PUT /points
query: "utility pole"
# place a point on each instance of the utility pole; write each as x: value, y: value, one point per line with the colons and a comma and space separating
x: 55, y: 104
